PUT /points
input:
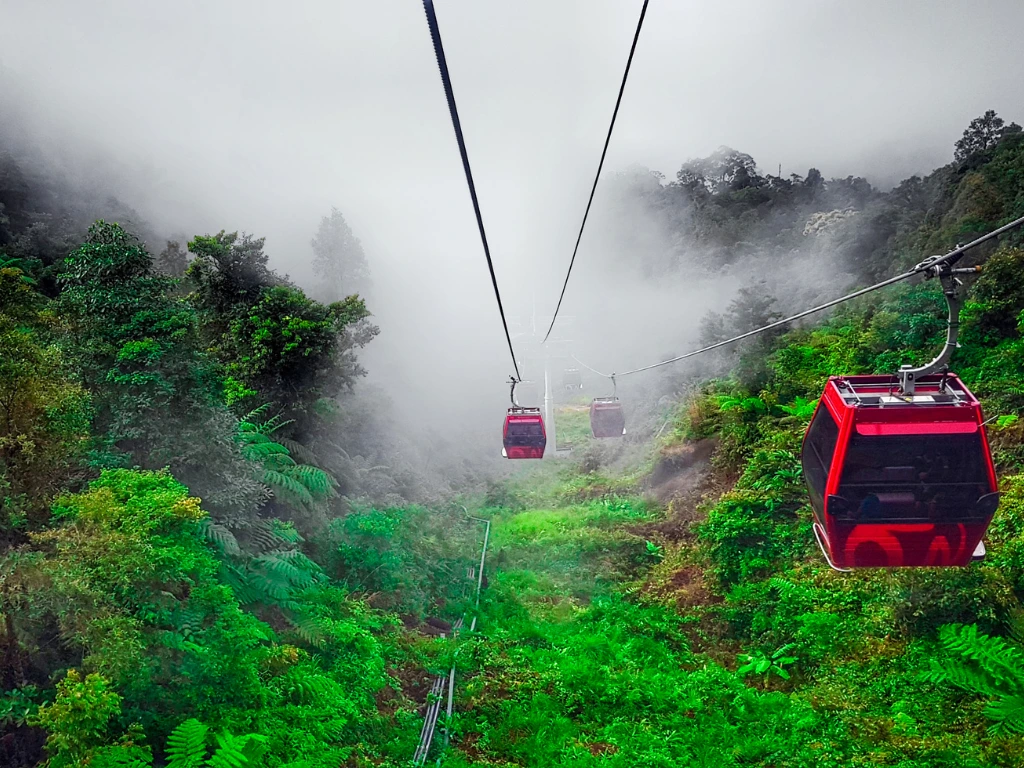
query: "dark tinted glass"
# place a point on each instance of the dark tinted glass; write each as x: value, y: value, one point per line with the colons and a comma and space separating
x: 525, y: 433
x: 914, y: 477
x: 819, y: 447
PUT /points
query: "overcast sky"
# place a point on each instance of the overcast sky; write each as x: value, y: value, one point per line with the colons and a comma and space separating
x: 260, y: 116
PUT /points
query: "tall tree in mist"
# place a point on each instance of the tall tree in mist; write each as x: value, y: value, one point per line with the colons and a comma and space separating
x: 982, y: 135
x: 229, y: 270
x: 338, y: 259
x: 172, y: 260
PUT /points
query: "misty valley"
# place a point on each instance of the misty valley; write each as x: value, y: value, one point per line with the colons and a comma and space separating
x: 738, y: 481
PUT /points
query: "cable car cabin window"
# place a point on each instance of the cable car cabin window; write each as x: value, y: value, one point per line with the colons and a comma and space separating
x: 524, y: 433
x: 898, y: 478
x: 819, y: 447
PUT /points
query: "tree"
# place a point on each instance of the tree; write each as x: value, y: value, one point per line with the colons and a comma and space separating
x: 158, y: 400
x: 44, y: 416
x: 229, y: 271
x: 293, y: 350
x: 338, y: 259
x: 982, y: 134
x: 135, y: 346
x: 725, y: 170
x: 172, y: 260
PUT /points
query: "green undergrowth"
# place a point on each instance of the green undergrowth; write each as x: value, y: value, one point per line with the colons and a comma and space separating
x: 573, y: 423
x: 570, y: 670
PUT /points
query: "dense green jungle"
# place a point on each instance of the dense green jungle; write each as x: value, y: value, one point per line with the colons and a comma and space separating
x: 210, y: 559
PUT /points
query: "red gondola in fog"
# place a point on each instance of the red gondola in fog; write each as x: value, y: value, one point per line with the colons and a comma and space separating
x: 899, y: 479
x: 606, y: 417
x: 523, y: 435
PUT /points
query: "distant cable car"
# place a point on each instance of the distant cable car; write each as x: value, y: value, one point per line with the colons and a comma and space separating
x: 523, y: 435
x: 898, y: 467
x: 606, y: 417
x: 571, y: 379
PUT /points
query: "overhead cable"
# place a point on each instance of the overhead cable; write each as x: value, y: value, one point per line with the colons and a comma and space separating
x: 442, y: 64
x: 600, y: 165
x: 928, y: 265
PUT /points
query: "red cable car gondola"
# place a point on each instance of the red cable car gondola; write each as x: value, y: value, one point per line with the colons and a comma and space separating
x: 899, y: 480
x: 898, y: 468
x: 523, y: 435
x: 606, y: 417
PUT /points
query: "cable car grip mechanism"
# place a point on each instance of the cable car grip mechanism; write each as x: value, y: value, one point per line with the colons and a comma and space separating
x: 942, y: 268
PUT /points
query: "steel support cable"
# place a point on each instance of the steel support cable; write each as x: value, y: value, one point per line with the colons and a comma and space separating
x: 442, y: 65
x: 592, y: 370
x: 600, y: 165
x: 928, y: 265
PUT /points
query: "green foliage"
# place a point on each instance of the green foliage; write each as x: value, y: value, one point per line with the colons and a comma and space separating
x: 749, y: 535
x: 272, y: 339
x: 302, y: 485
x: 78, y: 719
x: 187, y: 748
x: 44, y: 415
x: 607, y: 632
x: 802, y: 408
x: 989, y: 666
x: 761, y: 663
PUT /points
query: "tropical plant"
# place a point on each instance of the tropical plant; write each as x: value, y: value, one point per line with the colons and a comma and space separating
x: 303, y: 485
x: 988, y: 666
x: 801, y: 408
x: 188, y: 747
x: 761, y: 663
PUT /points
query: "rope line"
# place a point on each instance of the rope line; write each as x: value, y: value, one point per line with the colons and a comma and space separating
x: 592, y: 370
x: 442, y: 65
x: 928, y: 265
x: 600, y: 165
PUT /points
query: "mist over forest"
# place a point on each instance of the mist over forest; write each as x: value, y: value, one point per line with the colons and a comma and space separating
x: 253, y: 380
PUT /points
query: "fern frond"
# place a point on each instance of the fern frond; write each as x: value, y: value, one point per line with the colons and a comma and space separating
x: 268, y: 588
x: 186, y: 746
x: 266, y: 536
x: 315, y: 479
x: 257, y: 450
x: 283, y: 569
x: 1008, y: 713
x: 300, y: 451
x: 1016, y: 626
x: 255, y: 414
x: 288, y: 486
x: 230, y: 752
x: 304, y: 686
x: 309, y: 629
x: 1001, y: 661
x: 220, y: 536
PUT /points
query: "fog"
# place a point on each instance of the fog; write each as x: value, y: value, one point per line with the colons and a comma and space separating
x: 261, y: 116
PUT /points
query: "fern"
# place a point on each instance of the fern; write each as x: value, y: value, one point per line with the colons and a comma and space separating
x: 801, y: 408
x: 989, y: 666
x: 221, y: 537
x: 288, y: 486
x: 308, y: 629
x: 186, y: 746
x: 301, y: 485
x: 305, y: 686
x: 230, y: 752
